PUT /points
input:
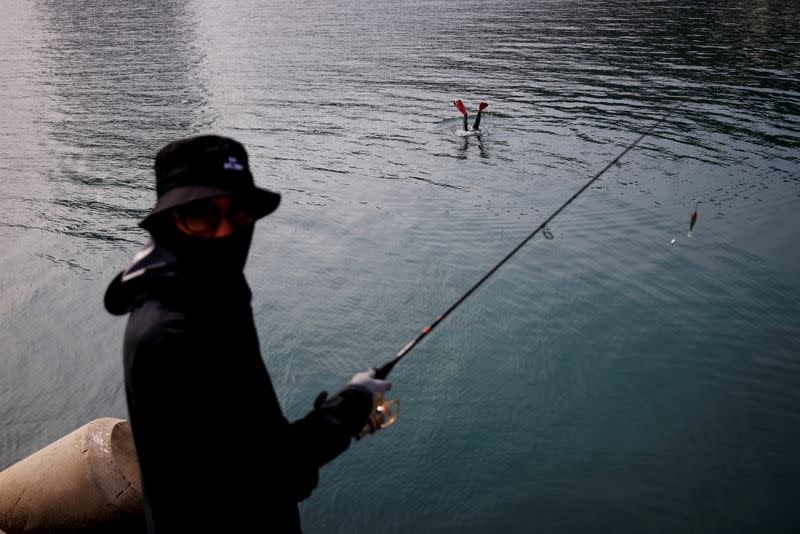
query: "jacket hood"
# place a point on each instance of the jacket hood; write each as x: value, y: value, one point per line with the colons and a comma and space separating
x: 157, y: 270
x: 150, y: 265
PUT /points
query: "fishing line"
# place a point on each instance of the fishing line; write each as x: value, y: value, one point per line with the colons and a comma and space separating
x: 382, y: 372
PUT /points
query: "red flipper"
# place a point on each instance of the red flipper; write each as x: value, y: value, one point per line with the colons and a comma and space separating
x: 460, y: 105
x: 482, y: 106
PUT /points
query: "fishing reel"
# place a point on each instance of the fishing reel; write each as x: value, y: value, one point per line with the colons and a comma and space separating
x: 384, y: 414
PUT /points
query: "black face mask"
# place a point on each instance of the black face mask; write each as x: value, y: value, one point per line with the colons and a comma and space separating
x: 217, y: 257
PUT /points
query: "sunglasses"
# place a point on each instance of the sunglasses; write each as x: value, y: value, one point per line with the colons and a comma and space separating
x: 204, y: 218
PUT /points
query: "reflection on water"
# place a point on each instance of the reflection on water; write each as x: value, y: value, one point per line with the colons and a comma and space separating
x: 602, y: 380
x: 119, y: 84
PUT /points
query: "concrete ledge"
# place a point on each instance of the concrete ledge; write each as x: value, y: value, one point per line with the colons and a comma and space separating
x: 87, y: 480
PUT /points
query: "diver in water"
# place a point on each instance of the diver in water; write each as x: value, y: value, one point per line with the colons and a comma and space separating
x: 475, y: 125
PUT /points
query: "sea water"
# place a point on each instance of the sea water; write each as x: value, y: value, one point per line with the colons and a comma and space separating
x: 601, y: 381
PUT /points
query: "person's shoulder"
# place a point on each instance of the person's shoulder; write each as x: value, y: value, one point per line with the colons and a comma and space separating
x: 157, y: 309
x: 152, y: 319
x: 158, y: 338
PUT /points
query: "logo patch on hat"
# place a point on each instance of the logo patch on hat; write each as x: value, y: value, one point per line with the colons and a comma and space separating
x: 232, y: 164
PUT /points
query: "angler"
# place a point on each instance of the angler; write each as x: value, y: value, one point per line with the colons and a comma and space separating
x: 194, y: 374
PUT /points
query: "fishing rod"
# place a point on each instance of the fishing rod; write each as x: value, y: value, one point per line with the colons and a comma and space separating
x: 385, y: 412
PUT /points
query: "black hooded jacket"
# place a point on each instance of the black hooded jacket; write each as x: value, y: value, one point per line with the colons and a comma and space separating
x: 215, y: 450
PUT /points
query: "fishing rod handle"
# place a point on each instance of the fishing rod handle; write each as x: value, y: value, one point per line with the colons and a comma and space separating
x: 383, y: 371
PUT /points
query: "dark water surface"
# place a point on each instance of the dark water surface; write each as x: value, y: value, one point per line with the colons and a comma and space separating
x: 604, y: 381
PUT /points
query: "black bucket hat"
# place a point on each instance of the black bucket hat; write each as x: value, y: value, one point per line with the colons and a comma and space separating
x: 202, y: 167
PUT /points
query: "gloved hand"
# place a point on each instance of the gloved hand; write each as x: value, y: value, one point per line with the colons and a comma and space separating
x: 368, y: 381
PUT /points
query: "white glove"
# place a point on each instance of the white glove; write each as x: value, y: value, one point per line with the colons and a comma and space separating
x: 368, y: 381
